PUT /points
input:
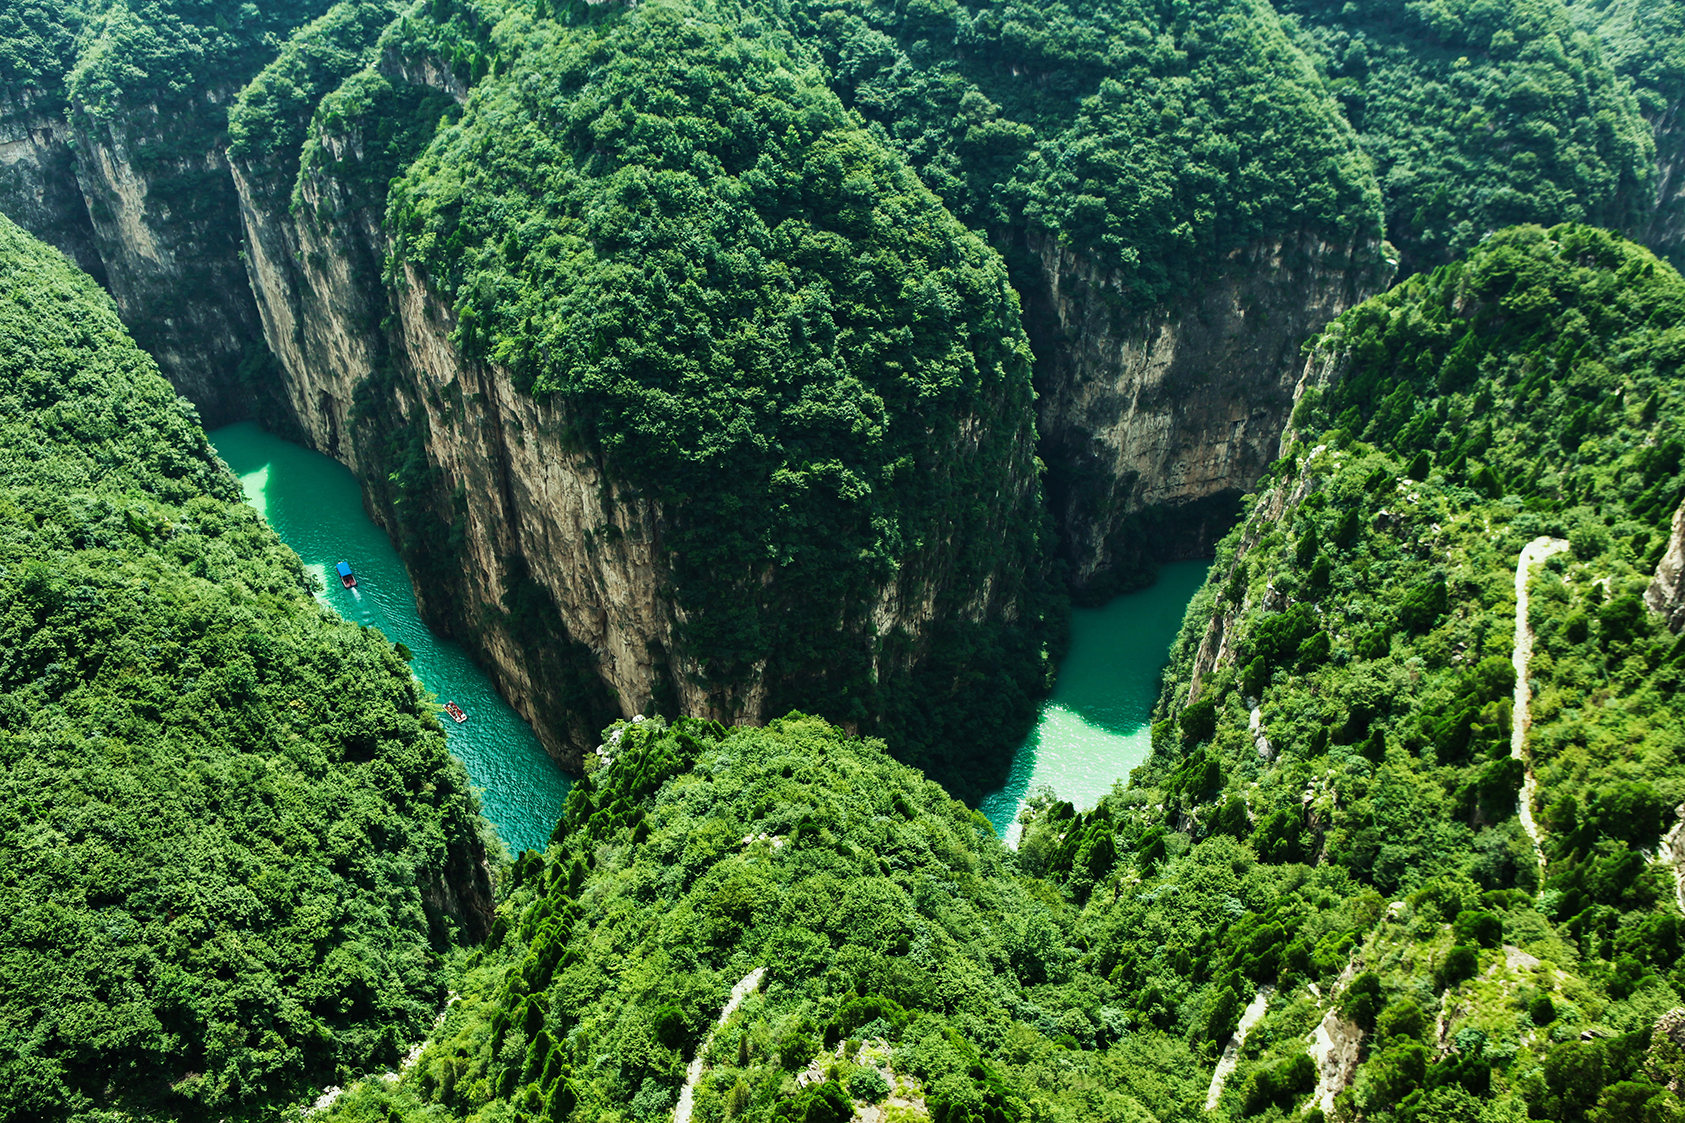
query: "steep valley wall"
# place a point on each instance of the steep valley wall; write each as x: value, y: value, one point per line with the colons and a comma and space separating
x: 523, y: 543
x: 154, y: 222
x: 38, y: 188
x: 1154, y: 424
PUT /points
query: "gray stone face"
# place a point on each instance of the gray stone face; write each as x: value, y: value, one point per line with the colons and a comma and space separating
x: 160, y: 232
x: 1666, y: 594
x: 1154, y: 424
x: 38, y: 188
x: 167, y: 231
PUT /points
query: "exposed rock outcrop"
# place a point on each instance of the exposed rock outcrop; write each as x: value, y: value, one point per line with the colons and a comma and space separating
x: 152, y: 219
x: 166, y: 226
x: 1154, y: 425
x: 1664, y: 230
x: 372, y: 379
x: 1666, y: 594
x: 38, y: 189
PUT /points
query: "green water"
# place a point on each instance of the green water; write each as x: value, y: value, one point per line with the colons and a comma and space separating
x: 315, y: 506
x: 1091, y: 732
x: 1094, y: 728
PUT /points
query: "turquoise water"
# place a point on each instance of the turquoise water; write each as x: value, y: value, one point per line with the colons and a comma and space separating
x: 1095, y: 726
x: 1091, y: 731
x: 315, y: 506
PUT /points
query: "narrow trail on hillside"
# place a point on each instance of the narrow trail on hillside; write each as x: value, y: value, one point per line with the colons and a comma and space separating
x: 693, y: 1074
x: 1532, y: 554
x: 1253, y: 1014
x: 1672, y: 854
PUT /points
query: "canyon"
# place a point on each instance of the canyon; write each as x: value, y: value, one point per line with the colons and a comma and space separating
x: 524, y: 544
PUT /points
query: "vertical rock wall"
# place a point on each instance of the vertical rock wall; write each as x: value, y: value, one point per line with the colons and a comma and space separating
x: 524, y: 541
x: 1666, y: 594
x: 156, y: 225
x: 165, y: 224
x: 38, y: 188
x: 1154, y: 424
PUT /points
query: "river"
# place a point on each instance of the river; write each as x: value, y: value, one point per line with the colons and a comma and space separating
x: 1090, y: 733
x: 315, y: 505
x: 1094, y: 728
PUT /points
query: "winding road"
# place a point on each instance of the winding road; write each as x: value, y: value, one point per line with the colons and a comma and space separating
x: 1532, y: 554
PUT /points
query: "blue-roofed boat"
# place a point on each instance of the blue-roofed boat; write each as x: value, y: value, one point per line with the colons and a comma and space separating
x: 346, y: 577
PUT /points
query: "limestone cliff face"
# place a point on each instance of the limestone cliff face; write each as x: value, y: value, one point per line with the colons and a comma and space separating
x: 523, y: 541
x: 1153, y: 425
x: 166, y: 227
x: 1666, y: 594
x: 372, y: 380
x: 38, y: 189
x: 1663, y: 228
x: 154, y: 220
x: 548, y: 571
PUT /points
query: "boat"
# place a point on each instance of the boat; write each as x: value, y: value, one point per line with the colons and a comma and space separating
x: 346, y: 577
x: 455, y: 711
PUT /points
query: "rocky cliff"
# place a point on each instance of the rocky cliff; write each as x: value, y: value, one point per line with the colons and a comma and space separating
x: 1154, y: 424
x: 529, y: 543
x: 166, y: 229
x: 1664, y: 231
x: 38, y: 188
x: 1666, y: 594
x: 373, y: 381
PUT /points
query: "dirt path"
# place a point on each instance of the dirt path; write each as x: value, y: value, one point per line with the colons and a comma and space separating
x: 687, y: 1096
x: 1532, y: 554
x: 1231, y: 1052
x: 1672, y: 854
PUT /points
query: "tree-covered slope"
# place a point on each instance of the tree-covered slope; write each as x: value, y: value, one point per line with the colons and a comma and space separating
x: 1480, y: 116
x: 269, y: 121
x: 233, y: 847
x: 37, y: 46
x: 896, y: 940
x: 1339, y: 707
x: 1152, y: 138
x: 744, y: 310
x: 1645, y: 43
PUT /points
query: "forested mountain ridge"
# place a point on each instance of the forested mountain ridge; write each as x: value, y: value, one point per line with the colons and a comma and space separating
x: 1181, y: 205
x: 1340, y: 704
x: 235, y: 848
x: 1175, y: 193
x: 1480, y: 116
x: 747, y: 414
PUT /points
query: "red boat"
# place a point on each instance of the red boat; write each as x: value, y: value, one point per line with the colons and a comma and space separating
x: 455, y: 711
x: 346, y: 577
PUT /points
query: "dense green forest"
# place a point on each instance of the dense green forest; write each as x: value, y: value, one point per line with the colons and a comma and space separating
x: 1154, y: 138
x: 1366, y: 605
x: 899, y: 948
x: 235, y: 854
x: 1350, y: 855
x: 765, y: 259
x: 1645, y: 42
x: 1481, y: 115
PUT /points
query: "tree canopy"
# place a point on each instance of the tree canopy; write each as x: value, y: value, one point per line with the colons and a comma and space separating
x: 234, y: 851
